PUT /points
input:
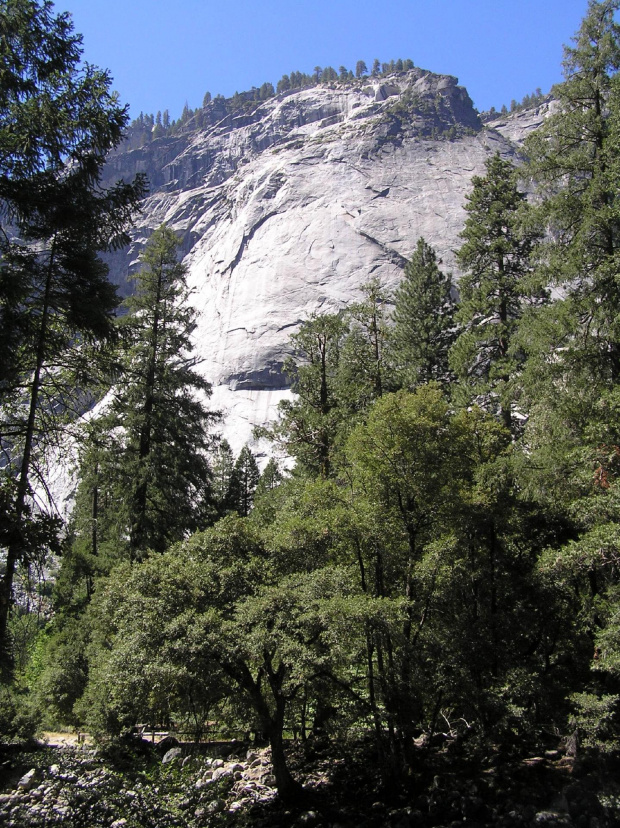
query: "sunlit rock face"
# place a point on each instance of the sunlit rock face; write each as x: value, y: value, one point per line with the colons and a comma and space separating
x: 290, y: 209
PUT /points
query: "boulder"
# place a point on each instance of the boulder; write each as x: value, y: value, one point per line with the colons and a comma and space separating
x: 171, y: 755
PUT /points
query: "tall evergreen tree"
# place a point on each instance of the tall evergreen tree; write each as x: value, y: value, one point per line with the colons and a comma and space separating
x: 163, y: 476
x: 222, y: 467
x: 496, y: 260
x: 309, y: 424
x: 243, y: 482
x: 424, y: 327
x: 573, y: 158
x: 364, y: 371
x: 58, y: 120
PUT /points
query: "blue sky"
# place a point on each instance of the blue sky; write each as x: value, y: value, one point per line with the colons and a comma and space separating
x: 162, y: 55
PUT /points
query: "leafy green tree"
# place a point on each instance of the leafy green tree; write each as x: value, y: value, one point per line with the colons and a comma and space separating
x: 58, y: 120
x: 376, y: 68
x: 424, y: 328
x: 212, y: 624
x: 441, y: 531
x: 406, y: 460
x: 360, y: 69
x: 495, y: 287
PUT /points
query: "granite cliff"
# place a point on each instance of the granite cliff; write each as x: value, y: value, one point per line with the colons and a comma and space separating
x: 287, y: 208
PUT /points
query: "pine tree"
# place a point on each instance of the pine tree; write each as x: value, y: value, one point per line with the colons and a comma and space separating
x: 243, y: 482
x: 309, y: 424
x: 270, y: 479
x: 163, y: 475
x: 496, y: 259
x: 424, y: 328
x: 284, y: 84
x: 58, y: 120
x: 573, y: 158
x: 221, y: 471
x: 364, y: 371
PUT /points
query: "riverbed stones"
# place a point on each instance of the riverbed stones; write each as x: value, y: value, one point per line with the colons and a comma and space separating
x: 171, y: 755
x: 28, y: 780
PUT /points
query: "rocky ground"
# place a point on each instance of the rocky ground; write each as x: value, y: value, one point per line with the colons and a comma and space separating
x: 232, y: 785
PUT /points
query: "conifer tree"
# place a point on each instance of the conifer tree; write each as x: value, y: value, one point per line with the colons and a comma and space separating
x: 221, y: 471
x: 270, y: 479
x: 496, y: 259
x: 423, y: 329
x: 573, y: 158
x: 364, y: 372
x: 243, y: 482
x: 309, y: 424
x: 162, y: 482
x: 58, y: 120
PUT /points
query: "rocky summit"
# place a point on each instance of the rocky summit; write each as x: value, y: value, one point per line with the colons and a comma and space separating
x: 289, y: 208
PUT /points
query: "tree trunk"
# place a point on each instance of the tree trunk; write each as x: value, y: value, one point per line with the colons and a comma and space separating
x: 16, y: 546
x: 137, y: 540
x: 289, y: 788
x: 271, y: 724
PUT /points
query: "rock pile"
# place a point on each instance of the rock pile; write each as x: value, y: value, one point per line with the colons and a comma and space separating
x: 81, y: 789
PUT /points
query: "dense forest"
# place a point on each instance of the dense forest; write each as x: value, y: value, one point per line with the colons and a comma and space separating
x: 440, y: 554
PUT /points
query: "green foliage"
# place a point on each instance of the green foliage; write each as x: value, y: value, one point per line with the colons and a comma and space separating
x: 423, y: 329
x: 577, y: 147
x: 159, y: 628
x: 496, y: 260
x: 17, y: 718
x: 243, y: 482
x: 308, y: 425
x: 364, y: 369
x: 149, y: 472
x: 222, y: 467
x: 425, y: 561
x: 60, y: 670
x: 58, y: 120
x: 596, y: 720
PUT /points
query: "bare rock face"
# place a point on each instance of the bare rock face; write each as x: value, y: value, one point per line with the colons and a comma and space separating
x: 289, y: 209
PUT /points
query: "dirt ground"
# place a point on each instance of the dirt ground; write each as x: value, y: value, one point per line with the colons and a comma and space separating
x: 57, y: 739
